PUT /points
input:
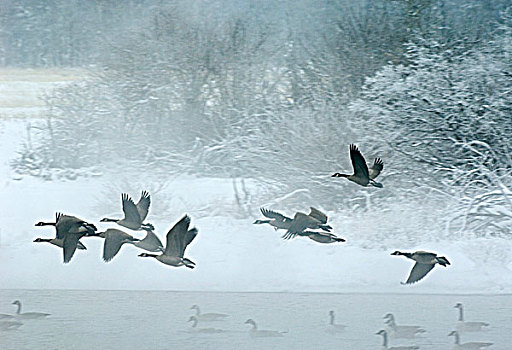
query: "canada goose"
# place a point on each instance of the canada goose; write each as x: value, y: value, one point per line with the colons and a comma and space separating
x: 362, y: 175
x: 333, y: 327
x: 384, y: 335
x: 467, y: 346
x: 27, y: 315
x: 134, y: 214
x: 321, y: 237
x: 425, y: 261
x: 151, y: 242
x: 401, y: 331
x: 178, y: 238
x: 114, y: 239
x: 210, y: 316
x: 463, y: 326
x: 202, y: 330
x: 9, y: 325
x: 70, y: 229
x: 277, y: 220
x: 59, y: 242
x: 255, y: 332
x: 302, y: 222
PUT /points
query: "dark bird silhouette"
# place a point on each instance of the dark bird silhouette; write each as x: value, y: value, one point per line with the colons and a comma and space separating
x: 425, y: 262
x: 134, y: 214
x: 362, y: 175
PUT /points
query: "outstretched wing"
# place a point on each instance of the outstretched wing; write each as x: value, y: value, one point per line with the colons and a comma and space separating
x: 300, y: 222
x: 317, y: 214
x: 130, y: 209
x: 376, y: 168
x: 175, y: 237
x: 189, y: 237
x: 274, y: 215
x: 358, y: 163
x: 114, y: 239
x: 418, y: 272
x: 143, y: 205
x: 69, y: 246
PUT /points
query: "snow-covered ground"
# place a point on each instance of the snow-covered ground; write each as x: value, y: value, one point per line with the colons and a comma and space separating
x: 231, y: 254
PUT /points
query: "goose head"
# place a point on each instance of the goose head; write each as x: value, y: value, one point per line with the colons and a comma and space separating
x: 251, y: 322
x: 381, y: 332
x: 108, y: 220
x: 16, y: 302
x: 397, y: 252
x: 331, y: 313
x: 389, y: 317
x: 458, y: 306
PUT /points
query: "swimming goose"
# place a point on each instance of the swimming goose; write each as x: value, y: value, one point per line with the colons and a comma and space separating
x: 467, y: 346
x: 59, y: 242
x: 6, y: 317
x: 27, y: 315
x: 202, y: 330
x: 362, y: 175
x: 134, y: 214
x: 210, y: 316
x: 178, y: 238
x: 401, y: 331
x: 255, y: 332
x: 151, y: 242
x: 463, y: 326
x: 70, y: 229
x: 302, y: 222
x: 277, y: 220
x: 384, y: 335
x: 333, y: 327
x: 9, y: 325
x: 114, y: 239
x: 425, y: 262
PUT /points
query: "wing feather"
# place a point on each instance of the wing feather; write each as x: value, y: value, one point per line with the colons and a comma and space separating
x: 273, y: 215
x: 317, y: 214
x: 358, y: 163
x: 130, y: 209
x: 173, y: 245
x: 143, y: 205
x: 418, y: 272
x: 376, y: 168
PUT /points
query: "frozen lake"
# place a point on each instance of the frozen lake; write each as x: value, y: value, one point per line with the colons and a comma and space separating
x: 158, y: 319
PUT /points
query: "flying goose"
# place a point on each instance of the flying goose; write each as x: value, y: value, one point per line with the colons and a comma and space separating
x: 134, y: 214
x: 321, y: 237
x: 59, y: 242
x: 178, y: 238
x: 401, y: 331
x: 302, y: 222
x: 467, y: 346
x: 255, y: 332
x: 114, y: 239
x: 384, y: 335
x: 27, y: 315
x: 463, y: 326
x: 202, y: 330
x: 9, y: 325
x: 362, y: 175
x: 333, y: 327
x: 210, y: 316
x: 70, y: 229
x: 275, y: 219
x: 425, y: 261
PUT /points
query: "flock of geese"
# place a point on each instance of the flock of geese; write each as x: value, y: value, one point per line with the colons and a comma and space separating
x: 70, y: 229
x: 391, y: 331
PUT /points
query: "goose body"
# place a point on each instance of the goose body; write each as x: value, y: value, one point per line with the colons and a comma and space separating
x: 333, y: 327
x: 6, y: 317
x: 27, y: 315
x: 114, y: 240
x: 362, y: 175
x: 70, y: 229
x: 467, y: 346
x: 178, y: 238
x: 134, y: 214
x: 274, y: 219
x: 384, y: 335
x: 210, y: 316
x: 425, y: 262
x: 397, y: 331
x: 261, y: 333
x: 195, y: 329
x: 322, y: 237
x: 464, y: 326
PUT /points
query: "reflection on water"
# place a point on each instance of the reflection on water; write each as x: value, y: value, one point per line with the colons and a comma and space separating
x: 158, y: 320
